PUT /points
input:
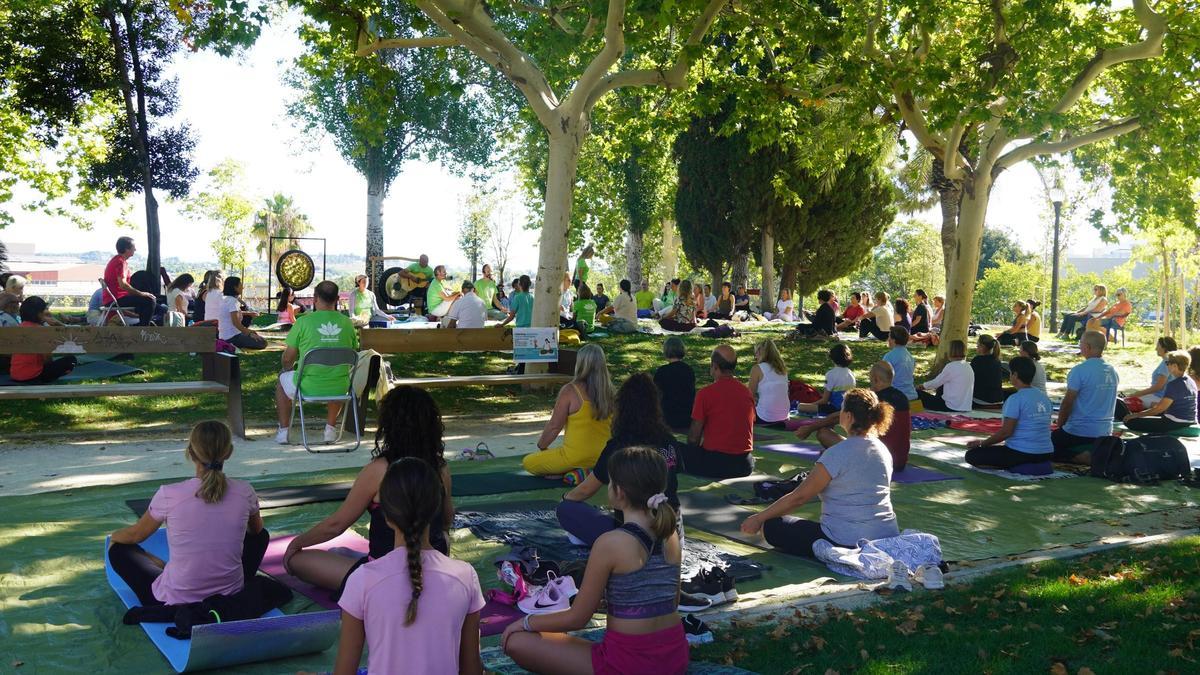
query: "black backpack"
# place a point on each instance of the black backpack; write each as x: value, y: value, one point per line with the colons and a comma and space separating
x: 1147, y: 459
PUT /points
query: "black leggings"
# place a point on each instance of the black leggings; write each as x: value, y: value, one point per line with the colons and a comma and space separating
x: 1002, y: 457
x: 869, y: 326
x: 143, y: 306
x: 1155, y: 424
x: 1067, y: 445
x: 52, y: 370
x: 252, y: 341
x: 1069, y: 323
x: 1015, y: 339
x: 934, y: 401
x: 793, y: 535
x: 139, y: 569
x: 676, y: 326
x: 711, y: 464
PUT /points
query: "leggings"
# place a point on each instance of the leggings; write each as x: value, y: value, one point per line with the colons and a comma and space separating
x: 1068, y: 445
x: 52, y: 370
x: 712, y: 464
x: 676, y: 326
x: 1156, y: 424
x: 1015, y: 339
x: 1002, y: 457
x: 793, y: 535
x: 584, y: 521
x: 869, y: 326
x: 933, y: 401
x: 557, y: 461
x: 1072, y: 324
x: 143, y: 306
x: 139, y: 569
x: 252, y: 341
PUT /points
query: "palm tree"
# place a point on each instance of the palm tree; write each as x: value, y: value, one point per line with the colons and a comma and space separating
x: 279, y: 217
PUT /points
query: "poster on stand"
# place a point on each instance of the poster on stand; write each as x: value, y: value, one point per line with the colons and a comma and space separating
x: 535, y: 345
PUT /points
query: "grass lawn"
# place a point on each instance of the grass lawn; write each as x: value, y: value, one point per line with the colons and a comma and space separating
x: 626, y: 353
x: 1122, y: 611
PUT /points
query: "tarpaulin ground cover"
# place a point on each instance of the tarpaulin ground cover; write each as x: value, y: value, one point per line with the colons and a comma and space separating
x: 57, y: 613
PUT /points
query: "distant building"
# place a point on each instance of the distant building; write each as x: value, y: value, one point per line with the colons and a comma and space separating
x: 1103, y: 260
x: 55, y: 276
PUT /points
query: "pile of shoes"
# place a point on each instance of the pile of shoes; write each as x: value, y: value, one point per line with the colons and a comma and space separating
x: 900, y: 578
x: 538, y: 586
x: 713, y: 584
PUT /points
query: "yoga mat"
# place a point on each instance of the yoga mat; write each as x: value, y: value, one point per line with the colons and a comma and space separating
x: 806, y: 451
x: 910, y: 473
x: 222, y: 645
x: 496, y: 661
x: 956, y: 457
x: 461, y: 485
x: 493, y: 618
x: 91, y: 370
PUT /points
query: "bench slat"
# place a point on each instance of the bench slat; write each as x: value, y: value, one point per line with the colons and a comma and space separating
x: 481, y: 380
x: 63, y: 340
x: 408, y: 341
x: 37, y: 391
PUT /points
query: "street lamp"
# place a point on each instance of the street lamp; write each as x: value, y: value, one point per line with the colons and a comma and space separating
x: 1056, y: 197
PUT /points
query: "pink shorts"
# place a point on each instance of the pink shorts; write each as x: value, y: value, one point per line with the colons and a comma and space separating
x: 664, y: 652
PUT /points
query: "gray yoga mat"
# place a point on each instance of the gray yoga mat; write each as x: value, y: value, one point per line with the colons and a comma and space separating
x: 89, y: 370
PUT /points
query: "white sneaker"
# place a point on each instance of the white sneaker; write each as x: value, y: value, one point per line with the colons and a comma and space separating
x: 281, y: 436
x: 331, y: 434
x: 898, y: 577
x: 929, y: 576
x: 555, y: 596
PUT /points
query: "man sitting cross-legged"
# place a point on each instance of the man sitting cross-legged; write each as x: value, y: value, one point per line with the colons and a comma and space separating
x: 721, y: 438
x: 1087, y: 409
x: 324, y: 327
x: 897, y: 437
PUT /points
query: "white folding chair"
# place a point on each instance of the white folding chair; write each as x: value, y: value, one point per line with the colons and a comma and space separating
x: 107, y: 310
x: 328, y: 357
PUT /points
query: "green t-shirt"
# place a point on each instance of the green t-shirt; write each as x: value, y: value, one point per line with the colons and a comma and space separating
x: 522, y: 303
x: 585, y: 314
x: 669, y: 300
x: 581, y: 269
x: 416, y: 269
x: 644, y: 299
x: 433, y: 296
x: 486, y: 290
x: 362, y: 304
x: 325, y: 328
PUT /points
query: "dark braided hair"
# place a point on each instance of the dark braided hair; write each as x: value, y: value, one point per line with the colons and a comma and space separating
x: 410, y: 425
x: 410, y: 495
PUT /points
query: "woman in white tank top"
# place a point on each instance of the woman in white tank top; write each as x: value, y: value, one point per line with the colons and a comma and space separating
x: 769, y: 384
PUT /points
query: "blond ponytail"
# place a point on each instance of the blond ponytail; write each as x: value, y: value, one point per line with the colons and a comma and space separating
x: 209, y: 445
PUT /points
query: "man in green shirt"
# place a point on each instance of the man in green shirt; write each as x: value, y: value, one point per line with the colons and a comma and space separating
x: 440, y: 295
x: 521, y: 304
x: 645, y: 300
x: 323, y: 327
x: 418, y: 273
x: 485, y: 288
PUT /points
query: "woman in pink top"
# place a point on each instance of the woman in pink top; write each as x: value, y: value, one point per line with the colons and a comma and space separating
x: 416, y: 609
x: 214, y: 531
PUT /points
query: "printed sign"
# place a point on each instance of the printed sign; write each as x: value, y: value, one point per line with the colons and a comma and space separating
x: 535, y: 345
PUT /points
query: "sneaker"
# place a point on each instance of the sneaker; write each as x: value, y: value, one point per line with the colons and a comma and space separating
x: 704, y: 585
x: 510, y: 573
x: 331, y: 433
x: 929, y: 576
x: 555, y: 596
x: 281, y: 436
x: 698, y: 632
x: 898, y: 577
x: 693, y: 603
x: 727, y: 584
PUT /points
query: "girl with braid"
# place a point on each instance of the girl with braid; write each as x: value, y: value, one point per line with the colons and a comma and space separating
x: 410, y: 425
x: 416, y: 609
x: 214, y: 531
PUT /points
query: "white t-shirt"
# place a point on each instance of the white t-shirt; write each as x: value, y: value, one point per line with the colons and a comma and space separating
x: 883, y: 317
x: 773, y: 404
x: 957, y: 380
x: 784, y: 310
x: 468, y: 311
x: 172, y: 295
x: 625, y: 307
x: 225, y: 326
x: 212, y: 305
x: 710, y: 303
x: 1039, y: 376
x: 838, y: 381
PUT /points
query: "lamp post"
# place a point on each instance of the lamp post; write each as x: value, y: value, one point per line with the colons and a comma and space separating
x: 1056, y: 197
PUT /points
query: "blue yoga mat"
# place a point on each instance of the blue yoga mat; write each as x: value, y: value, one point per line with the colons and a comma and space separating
x: 910, y: 473
x: 221, y: 645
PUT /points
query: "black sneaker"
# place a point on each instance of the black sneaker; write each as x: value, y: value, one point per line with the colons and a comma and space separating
x: 720, y: 576
x: 693, y: 603
x: 704, y: 585
x: 697, y: 631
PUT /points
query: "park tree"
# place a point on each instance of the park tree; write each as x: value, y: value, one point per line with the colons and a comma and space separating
x: 906, y: 259
x: 222, y: 201
x: 1010, y: 81
x: 499, y: 240
x: 997, y: 247
x: 478, y: 211
x: 392, y: 106
x: 278, y: 217
x: 563, y: 59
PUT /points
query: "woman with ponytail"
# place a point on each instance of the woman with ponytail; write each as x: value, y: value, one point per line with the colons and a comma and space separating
x: 636, y: 568
x: 214, y: 531
x: 853, y: 480
x: 416, y: 609
x: 989, y: 372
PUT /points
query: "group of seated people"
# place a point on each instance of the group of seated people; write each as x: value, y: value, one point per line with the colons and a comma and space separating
x: 1099, y: 314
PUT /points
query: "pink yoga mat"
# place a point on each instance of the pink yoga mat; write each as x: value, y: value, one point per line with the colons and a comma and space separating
x: 493, y: 618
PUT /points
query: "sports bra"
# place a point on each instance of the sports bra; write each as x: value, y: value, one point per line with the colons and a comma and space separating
x: 649, y: 592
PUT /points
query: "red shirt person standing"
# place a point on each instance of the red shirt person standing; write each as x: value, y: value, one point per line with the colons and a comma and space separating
x: 116, y: 283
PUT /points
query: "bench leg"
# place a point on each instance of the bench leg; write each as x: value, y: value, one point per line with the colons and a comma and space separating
x: 227, y: 371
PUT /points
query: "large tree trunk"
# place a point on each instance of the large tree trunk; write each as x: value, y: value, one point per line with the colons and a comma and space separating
x: 376, y: 192
x: 670, y: 254
x: 787, y: 278
x: 767, y: 257
x: 950, y: 201
x: 1183, y: 303
x: 965, y: 262
x: 716, y: 275
x: 561, y: 169
x: 634, y: 251
x: 740, y: 275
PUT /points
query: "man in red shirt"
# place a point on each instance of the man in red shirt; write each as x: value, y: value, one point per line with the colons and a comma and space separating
x: 116, y: 283
x: 721, y: 438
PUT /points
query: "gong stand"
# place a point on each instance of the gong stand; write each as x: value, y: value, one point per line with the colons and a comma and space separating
x: 271, y: 261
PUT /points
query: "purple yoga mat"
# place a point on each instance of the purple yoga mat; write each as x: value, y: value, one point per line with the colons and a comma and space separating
x: 910, y: 474
x: 493, y: 618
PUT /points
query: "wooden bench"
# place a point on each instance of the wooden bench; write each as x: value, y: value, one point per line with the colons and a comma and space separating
x: 220, y: 372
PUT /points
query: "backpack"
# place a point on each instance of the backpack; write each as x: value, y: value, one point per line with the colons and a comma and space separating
x: 799, y: 390
x: 1147, y: 459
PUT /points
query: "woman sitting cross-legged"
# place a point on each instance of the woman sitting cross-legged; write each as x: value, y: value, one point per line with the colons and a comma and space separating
x: 769, y: 384
x: 416, y: 609
x: 1024, y: 436
x: 1159, y: 376
x: 214, y: 531
x: 989, y: 372
x: 636, y: 569
x: 410, y: 425
x: 233, y: 323
x: 1177, y: 407
x: 681, y: 317
x: 853, y: 480
x: 637, y: 421
x: 954, y: 387
x: 584, y: 409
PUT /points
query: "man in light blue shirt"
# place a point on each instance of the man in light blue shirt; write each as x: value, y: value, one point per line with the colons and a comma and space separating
x: 903, y: 363
x: 1087, y: 409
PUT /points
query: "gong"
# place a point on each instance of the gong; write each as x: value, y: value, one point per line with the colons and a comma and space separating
x: 295, y: 269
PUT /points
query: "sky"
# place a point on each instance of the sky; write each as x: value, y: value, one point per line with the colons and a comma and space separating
x: 236, y: 107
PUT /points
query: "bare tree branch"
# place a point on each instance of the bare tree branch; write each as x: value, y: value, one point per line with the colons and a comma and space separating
x: 1024, y: 152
